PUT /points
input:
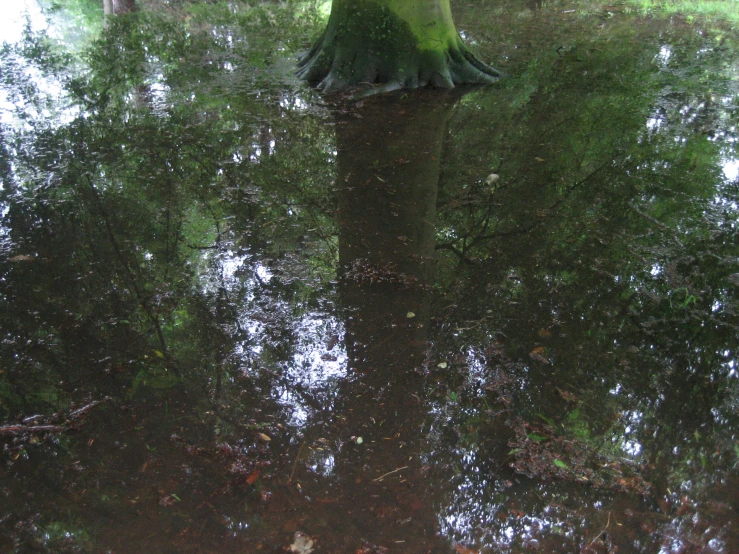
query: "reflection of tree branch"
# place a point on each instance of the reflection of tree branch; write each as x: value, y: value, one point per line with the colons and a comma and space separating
x: 519, y: 231
x: 658, y: 223
x: 450, y: 246
x: 132, y: 285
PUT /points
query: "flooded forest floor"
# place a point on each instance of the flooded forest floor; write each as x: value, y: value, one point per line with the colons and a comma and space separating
x: 242, y: 316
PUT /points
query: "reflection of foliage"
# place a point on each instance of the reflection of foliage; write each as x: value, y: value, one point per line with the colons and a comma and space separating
x: 691, y: 9
x: 539, y: 452
x: 605, y: 245
x: 176, y: 212
x: 154, y: 176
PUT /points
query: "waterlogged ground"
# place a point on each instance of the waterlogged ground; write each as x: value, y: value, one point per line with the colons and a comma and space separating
x: 238, y: 316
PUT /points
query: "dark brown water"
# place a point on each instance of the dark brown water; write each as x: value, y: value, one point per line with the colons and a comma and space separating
x: 241, y: 317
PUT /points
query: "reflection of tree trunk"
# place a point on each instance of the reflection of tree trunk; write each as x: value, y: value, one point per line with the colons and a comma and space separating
x: 118, y: 7
x: 388, y: 171
x: 142, y: 94
x: 388, y: 165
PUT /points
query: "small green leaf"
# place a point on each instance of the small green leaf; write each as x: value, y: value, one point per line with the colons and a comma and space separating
x: 177, y: 498
x: 535, y: 437
x: 410, y: 315
x: 560, y: 463
x: 548, y: 420
x: 453, y: 396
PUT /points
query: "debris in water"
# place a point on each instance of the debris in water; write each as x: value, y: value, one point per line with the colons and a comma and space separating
x: 492, y: 179
x: 302, y: 544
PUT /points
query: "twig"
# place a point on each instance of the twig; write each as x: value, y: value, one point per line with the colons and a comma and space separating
x: 389, y: 473
x: 295, y: 463
x: 83, y: 409
x: 602, y: 530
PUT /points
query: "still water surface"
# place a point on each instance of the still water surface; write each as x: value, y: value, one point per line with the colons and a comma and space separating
x: 238, y: 316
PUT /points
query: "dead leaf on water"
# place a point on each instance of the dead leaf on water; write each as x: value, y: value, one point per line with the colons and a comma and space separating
x: 265, y: 438
x: 540, y: 160
x: 568, y: 396
x: 21, y: 258
x: 410, y: 315
x: 492, y: 179
x: 302, y: 544
x: 538, y: 354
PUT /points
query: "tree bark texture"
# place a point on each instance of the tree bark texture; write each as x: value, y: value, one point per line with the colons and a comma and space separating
x: 397, y: 43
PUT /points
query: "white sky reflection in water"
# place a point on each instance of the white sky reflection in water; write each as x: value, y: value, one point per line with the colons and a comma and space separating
x: 13, y: 17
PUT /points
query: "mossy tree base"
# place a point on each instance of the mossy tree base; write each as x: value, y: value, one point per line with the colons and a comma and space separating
x: 396, y: 43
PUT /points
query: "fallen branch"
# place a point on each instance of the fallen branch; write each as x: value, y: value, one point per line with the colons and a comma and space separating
x: 20, y: 429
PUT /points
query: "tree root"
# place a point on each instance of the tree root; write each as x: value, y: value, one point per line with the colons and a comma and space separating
x: 331, y: 70
x: 366, y: 44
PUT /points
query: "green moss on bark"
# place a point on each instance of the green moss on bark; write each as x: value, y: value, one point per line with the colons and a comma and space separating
x: 398, y: 43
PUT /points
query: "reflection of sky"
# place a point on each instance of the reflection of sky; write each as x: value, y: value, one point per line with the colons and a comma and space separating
x: 13, y: 17
x: 731, y: 168
x: 312, y: 365
x: 317, y: 357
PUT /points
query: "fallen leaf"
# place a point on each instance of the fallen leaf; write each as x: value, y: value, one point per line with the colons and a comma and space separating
x: 265, y: 438
x: 442, y: 365
x: 560, y: 463
x: 566, y: 395
x: 540, y: 160
x: 168, y: 500
x: 492, y: 179
x: 538, y: 354
x: 410, y: 315
x: 21, y: 258
x: 252, y: 477
x: 302, y: 544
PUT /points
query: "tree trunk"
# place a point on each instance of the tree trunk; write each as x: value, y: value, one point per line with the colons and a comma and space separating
x: 118, y: 7
x: 401, y: 43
